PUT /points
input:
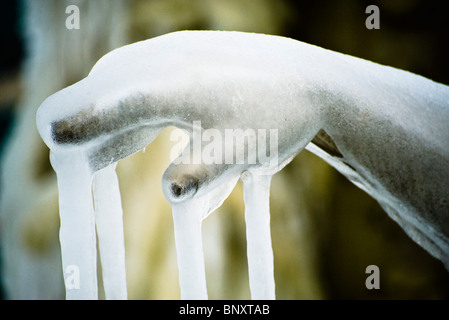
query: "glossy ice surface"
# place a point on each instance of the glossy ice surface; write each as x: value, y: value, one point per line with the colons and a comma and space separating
x: 385, y: 129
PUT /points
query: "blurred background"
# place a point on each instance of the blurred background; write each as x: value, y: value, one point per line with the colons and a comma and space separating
x: 325, y: 231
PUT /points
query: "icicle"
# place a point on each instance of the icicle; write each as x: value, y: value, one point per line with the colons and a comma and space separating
x: 187, y: 218
x: 256, y: 192
x: 77, y: 231
x: 109, y: 222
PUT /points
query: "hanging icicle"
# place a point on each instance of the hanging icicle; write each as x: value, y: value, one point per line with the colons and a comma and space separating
x: 353, y: 113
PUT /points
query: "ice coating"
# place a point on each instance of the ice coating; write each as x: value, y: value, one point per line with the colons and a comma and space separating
x: 383, y: 128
